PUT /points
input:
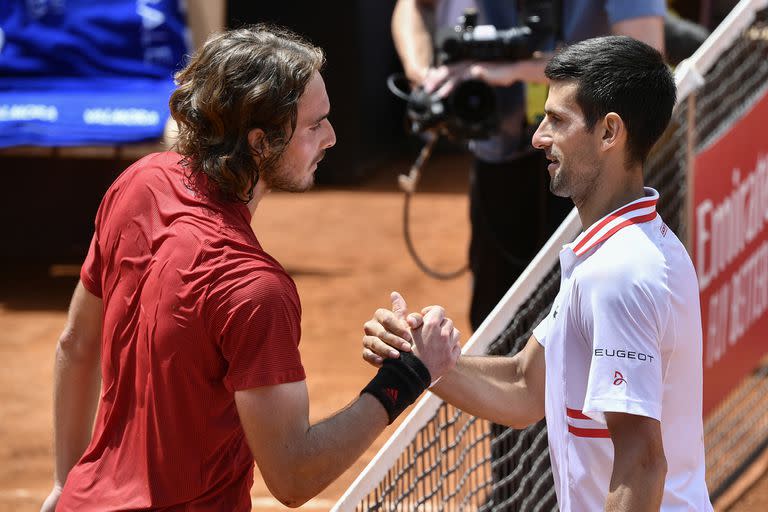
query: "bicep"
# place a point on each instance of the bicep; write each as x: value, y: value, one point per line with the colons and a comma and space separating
x: 648, y: 29
x: 629, y: 428
x: 533, y: 368
x: 273, y: 417
x: 637, y: 440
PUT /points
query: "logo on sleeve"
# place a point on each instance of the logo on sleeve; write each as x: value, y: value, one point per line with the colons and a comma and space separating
x: 618, y: 378
x: 391, y: 394
x: 623, y: 354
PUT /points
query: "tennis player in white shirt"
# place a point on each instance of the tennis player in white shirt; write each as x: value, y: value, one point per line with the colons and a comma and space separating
x: 616, y: 366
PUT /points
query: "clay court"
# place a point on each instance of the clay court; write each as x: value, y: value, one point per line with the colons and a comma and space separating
x: 343, y: 246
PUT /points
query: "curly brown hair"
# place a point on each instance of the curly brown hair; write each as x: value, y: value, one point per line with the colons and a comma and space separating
x: 241, y: 79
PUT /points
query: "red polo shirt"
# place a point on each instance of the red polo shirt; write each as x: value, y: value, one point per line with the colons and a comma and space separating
x: 194, y: 310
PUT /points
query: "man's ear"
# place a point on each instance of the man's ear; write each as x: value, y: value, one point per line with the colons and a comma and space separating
x: 257, y: 141
x: 614, y: 131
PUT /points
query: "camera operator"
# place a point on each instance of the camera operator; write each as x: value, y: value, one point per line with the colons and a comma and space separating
x: 511, y: 210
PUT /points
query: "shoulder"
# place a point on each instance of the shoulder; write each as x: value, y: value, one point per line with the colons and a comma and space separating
x: 145, y: 171
x: 633, y: 261
x: 254, y: 277
x: 152, y: 163
x: 127, y: 198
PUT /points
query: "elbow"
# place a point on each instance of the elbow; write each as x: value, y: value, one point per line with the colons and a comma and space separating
x: 293, y: 497
x: 530, y: 414
x: 650, y: 460
x: 291, y: 501
x: 657, y: 465
x: 521, y: 423
x: 654, y: 466
x: 292, y: 488
x: 287, y: 492
x: 518, y: 424
x: 75, y: 348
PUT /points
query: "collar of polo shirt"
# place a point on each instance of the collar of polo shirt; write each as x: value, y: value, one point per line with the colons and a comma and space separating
x: 638, y: 211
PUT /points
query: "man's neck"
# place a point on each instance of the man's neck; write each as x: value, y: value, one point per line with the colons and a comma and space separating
x: 259, y: 191
x: 609, y: 196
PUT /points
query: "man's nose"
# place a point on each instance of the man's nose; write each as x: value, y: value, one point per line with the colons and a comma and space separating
x: 331, y: 137
x: 541, y: 139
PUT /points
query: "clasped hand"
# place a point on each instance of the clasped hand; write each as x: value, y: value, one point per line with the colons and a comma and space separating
x: 430, y: 335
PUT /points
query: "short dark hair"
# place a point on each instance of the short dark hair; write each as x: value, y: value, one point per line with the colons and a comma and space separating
x: 242, y: 79
x: 619, y: 74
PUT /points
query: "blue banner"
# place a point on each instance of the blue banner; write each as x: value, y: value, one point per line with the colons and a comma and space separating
x: 75, y: 72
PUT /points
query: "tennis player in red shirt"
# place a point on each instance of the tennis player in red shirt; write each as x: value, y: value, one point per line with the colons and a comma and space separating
x: 192, y: 328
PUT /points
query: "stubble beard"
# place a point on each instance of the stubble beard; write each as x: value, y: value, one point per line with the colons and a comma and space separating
x: 575, y: 183
x: 280, y: 178
x: 560, y: 183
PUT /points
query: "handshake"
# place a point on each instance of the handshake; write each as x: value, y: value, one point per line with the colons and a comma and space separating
x: 429, y: 335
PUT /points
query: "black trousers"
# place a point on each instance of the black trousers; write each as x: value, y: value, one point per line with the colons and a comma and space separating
x: 512, y: 213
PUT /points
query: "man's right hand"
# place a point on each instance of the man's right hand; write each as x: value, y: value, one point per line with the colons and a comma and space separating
x: 442, y: 79
x: 435, y: 339
x: 49, y: 505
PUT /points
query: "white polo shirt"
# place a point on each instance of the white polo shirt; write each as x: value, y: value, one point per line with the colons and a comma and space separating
x: 624, y: 335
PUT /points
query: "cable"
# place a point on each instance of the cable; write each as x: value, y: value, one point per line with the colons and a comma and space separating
x: 408, y: 185
x: 394, y: 89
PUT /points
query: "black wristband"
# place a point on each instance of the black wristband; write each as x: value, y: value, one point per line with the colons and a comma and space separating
x: 399, y: 383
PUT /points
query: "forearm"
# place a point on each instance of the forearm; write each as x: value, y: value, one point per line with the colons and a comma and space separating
x: 639, y: 463
x: 532, y: 70
x: 334, y: 444
x: 314, y: 456
x: 412, y: 37
x: 205, y: 17
x: 493, y: 388
x: 76, y: 392
x: 638, y: 488
x: 329, y: 447
x: 648, y: 29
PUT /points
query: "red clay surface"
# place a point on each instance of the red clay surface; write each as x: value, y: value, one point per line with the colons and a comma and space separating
x: 345, y: 250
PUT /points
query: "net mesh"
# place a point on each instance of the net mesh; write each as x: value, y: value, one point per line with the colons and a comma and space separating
x: 458, y: 462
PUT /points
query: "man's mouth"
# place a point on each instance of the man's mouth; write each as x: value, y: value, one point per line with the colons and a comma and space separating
x: 554, y: 163
x: 317, y: 161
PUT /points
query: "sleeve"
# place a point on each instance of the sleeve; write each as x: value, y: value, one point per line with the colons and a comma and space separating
x: 91, y: 271
x: 623, y: 319
x: 540, y: 331
x: 622, y: 10
x: 259, y: 328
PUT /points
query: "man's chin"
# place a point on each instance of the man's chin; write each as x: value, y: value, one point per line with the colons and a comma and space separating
x: 298, y: 188
x: 556, y: 187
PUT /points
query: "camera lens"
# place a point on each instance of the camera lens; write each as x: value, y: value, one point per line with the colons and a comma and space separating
x: 473, y: 101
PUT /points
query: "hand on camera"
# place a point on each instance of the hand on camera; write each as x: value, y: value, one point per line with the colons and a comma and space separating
x: 444, y: 79
x: 441, y: 80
